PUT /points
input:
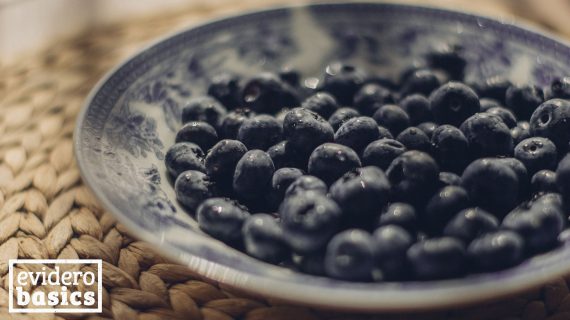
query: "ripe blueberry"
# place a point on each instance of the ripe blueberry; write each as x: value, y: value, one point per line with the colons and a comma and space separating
x: 205, y: 109
x: 443, y: 206
x: 523, y: 100
x: 392, y: 118
x: 400, y: 214
x: 222, y: 160
x: 304, y: 184
x: 350, y: 256
x: 381, y: 152
x: 391, y: 243
x: 357, y: 133
x: 417, y: 107
x: 450, y: 148
x: 330, y: 161
x: 222, y: 218
x: 543, y: 181
x: 267, y: 93
x: 537, y: 153
x: 192, y: 187
x: 198, y: 132
x: 413, y: 176
x: 305, y: 130
x: 470, y: 223
x: 453, y: 103
x: 360, y: 193
x: 225, y: 88
x: 414, y: 139
x: 491, y: 185
x: 321, y: 103
x: 487, y: 135
x: 253, y: 173
x: 437, y: 258
x: 309, y: 220
x: 233, y: 121
x: 552, y: 120
x: 421, y: 81
x: 260, y: 132
x: 263, y: 238
x: 184, y: 156
x: 371, y: 97
x: 341, y: 115
x: 497, y: 250
x: 343, y: 81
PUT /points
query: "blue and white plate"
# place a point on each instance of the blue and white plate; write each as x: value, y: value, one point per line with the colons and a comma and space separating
x: 131, y: 117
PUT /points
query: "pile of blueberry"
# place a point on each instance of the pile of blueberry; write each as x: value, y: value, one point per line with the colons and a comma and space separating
x: 365, y: 178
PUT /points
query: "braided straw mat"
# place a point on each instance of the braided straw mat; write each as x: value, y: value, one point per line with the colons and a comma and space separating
x: 46, y: 212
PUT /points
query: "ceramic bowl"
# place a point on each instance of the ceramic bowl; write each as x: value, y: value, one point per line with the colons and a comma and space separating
x: 131, y: 117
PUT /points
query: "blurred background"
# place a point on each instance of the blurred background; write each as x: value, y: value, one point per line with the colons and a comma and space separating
x: 29, y: 25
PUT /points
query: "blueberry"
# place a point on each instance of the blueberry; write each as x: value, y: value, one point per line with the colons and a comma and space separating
x: 413, y: 176
x: 496, y: 251
x: 198, y: 132
x: 552, y: 120
x: 360, y: 193
x: 520, y: 132
x: 491, y: 185
x: 427, y: 127
x: 563, y: 177
x: 282, y: 179
x: 448, y: 179
x: 422, y: 81
x: 453, y: 103
x: 222, y: 160
x: 267, y: 93
x: 253, y: 173
x: 505, y: 114
x: 309, y: 220
x: 305, y: 130
x: 382, y: 152
x: 222, y: 218
x: 417, y: 107
x: 487, y: 135
x: 321, y: 103
x: 560, y: 88
x: 184, y: 156
x: 523, y: 100
x: 414, y: 139
x: 487, y: 104
x: 233, y: 121
x: 471, y: 223
x: 537, y: 153
x: 437, y: 258
x: 341, y: 115
x: 371, y: 97
x: 290, y: 76
x: 443, y: 206
x: 544, y: 181
x: 357, y: 133
x: 260, y: 132
x: 304, y: 184
x: 205, y: 109
x: 343, y: 81
x: 350, y: 256
x: 330, y: 161
x: 522, y: 175
x: 225, y: 88
x: 539, y: 225
x: 192, y: 187
x: 450, y: 148
x: 391, y: 243
x: 384, y: 133
x: 284, y: 156
x: 494, y: 88
x: 392, y: 117
x: 400, y: 214
x: 448, y: 58
x: 263, y: 238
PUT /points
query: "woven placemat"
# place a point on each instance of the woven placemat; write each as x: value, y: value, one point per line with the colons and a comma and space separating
x: 46, y: 212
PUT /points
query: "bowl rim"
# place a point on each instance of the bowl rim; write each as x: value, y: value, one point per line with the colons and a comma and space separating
x: 351, y: 299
